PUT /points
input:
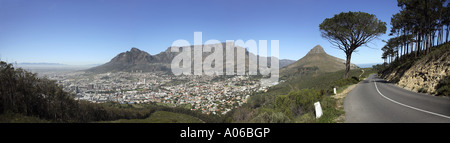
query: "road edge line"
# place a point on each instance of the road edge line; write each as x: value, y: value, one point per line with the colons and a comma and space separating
x: 418, y: 109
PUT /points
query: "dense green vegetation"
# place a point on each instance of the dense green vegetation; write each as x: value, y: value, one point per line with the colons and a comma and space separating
x: 324, y: 82
x: 292, y: 100
x: 19, y: 118
x: 155, y: 107
x: 161, y: 117
x: 443, y: 88
x: 170, y: 117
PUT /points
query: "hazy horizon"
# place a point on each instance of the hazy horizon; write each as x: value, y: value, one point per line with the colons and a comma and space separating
x: 45, y: 64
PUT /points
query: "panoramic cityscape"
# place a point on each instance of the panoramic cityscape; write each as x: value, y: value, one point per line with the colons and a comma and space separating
x: 231, y: 62
x: 209, y: 94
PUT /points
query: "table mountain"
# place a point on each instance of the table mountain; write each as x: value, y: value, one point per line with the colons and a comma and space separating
x: 138, y: 60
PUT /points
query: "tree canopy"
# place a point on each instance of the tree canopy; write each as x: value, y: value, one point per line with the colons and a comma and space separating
x: 418, y: 26
x: 350, y: 30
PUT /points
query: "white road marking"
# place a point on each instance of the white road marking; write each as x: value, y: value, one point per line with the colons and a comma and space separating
x: 418, y: 109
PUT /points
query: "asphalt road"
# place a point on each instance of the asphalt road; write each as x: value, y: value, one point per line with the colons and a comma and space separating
x: 376, y: 101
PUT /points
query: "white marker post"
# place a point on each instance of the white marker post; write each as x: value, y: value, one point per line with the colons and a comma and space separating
x: 334, y: 89
x: 318, y: 109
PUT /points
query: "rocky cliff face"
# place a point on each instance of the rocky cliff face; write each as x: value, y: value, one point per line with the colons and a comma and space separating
x: 424, y: 74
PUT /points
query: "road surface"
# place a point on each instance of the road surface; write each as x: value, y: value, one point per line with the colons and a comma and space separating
x: 376, y: 101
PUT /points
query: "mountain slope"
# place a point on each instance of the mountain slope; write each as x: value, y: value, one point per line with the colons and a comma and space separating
x: 317, y: 60
x: 426, y: 73
x: 137, y: 60
x: 285, y: 62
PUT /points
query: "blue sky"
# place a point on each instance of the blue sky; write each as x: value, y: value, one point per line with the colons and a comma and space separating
x: 79, y: 32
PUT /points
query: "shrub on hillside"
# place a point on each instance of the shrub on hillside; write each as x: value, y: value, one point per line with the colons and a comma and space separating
x: 297, y: 103
x: 345, y: 81
x: 443, y: 88
x: 271, y: 117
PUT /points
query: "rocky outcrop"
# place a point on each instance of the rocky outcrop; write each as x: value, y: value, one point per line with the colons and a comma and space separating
x: 425, y: 75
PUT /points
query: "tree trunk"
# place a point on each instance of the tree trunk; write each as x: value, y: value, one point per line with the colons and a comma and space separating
x: 407, y: 48
x: 398, y: 51
x: 404, y: 42
x: 439, y: 36
x: 347, y: 64
x: 401, y: 50
x: 418, y: 45
x: 442, y: 35
x: 446, y: 34
x: 427, y: 43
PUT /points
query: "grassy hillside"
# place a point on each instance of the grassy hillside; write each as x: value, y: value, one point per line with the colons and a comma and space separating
x: 316, y: 61
x: 19, y: 118
x: 320, y: 62
x: 161, y: 117
x: 292, y: 100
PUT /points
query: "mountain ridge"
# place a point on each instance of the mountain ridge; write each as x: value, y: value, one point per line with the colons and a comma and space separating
x: 138, y: 60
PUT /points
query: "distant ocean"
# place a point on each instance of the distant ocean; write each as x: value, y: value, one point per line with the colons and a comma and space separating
x: 369, y: 65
